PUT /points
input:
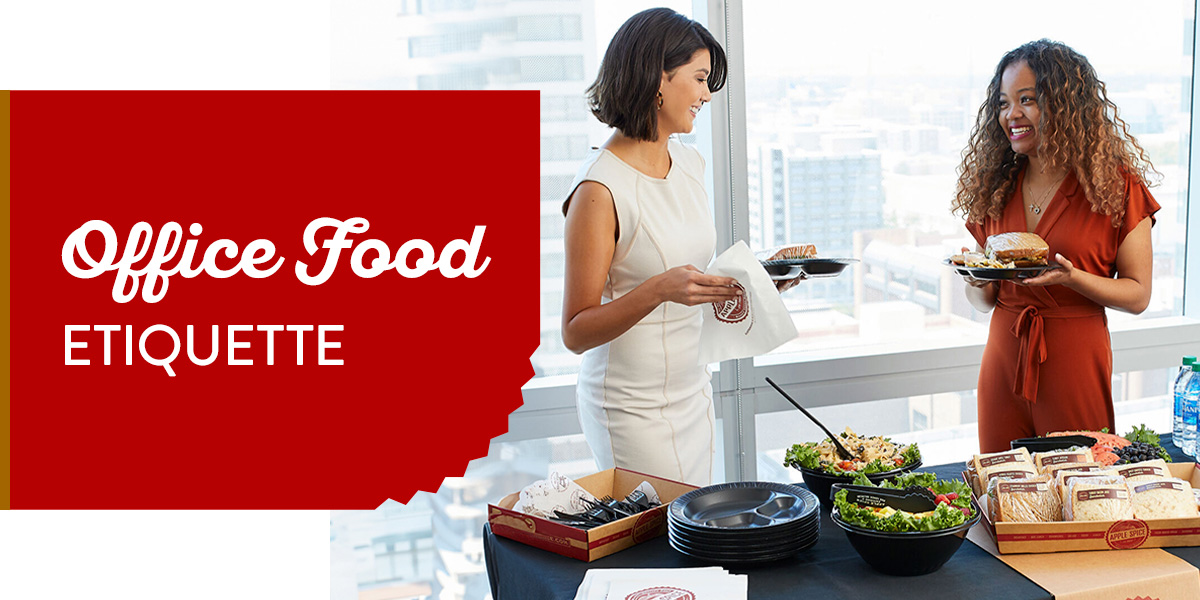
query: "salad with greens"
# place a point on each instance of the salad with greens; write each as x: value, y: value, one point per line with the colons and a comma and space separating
x: 872, y: 455
x: 953, y: 506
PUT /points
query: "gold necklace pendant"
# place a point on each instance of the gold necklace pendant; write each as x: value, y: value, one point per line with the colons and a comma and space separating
x: 1037, y: 208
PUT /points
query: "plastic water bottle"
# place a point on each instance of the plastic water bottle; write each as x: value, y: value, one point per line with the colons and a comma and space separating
x: 1180, y: 382
x: 1191, y: 406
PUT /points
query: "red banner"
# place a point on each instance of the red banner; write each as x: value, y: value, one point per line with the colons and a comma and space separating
x: 366, y: 263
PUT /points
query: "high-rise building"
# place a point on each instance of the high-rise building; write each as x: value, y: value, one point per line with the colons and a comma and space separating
x: 822, y: 199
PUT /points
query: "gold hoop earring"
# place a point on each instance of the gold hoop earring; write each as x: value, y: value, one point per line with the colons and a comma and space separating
x: 660, y: 101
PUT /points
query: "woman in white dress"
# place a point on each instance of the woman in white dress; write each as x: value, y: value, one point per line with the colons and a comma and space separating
x: 638, y: 231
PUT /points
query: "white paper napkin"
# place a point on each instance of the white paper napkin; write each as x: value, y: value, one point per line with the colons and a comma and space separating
x: 755, y: 323
x: 596, y: 582
x: 556, y: 492
x: 704, y: 587
x: 647, y: 489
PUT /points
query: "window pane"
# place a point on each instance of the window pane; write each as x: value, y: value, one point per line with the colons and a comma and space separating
x: 854, y: 135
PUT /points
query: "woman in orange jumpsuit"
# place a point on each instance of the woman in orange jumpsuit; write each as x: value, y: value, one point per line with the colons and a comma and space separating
x: 1049, y: 155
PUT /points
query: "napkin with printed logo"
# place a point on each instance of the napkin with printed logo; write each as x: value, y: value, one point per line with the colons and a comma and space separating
x: 702, y: 583
x: 711, y: 587
x: 752, y: 324
x: 556, y: 492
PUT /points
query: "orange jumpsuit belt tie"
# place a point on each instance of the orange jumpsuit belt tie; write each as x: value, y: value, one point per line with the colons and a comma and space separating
x: 1029, y: 329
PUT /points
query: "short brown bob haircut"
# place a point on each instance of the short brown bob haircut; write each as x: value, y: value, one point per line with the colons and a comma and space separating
x: 654, y: 41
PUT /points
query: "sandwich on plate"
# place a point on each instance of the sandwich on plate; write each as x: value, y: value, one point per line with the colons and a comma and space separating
x: 1006, y: 251
x: 787, y: 252
x: 1021, y: 248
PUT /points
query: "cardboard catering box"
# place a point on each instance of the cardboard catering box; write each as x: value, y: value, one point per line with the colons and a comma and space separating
x: 598, y: 542
x: 1068, y: 536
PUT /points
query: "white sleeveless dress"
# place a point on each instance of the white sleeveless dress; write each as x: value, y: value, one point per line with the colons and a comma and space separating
x: 644, y: 402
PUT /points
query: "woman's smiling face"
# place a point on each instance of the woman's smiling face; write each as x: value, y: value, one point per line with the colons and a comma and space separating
x: 683, y: 93
x: 1018, y: 111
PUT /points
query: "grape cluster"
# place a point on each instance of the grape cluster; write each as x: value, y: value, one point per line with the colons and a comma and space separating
x: 1137, y: 452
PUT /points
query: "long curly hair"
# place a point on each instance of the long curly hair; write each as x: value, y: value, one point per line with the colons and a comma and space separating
x: 1079, y: 130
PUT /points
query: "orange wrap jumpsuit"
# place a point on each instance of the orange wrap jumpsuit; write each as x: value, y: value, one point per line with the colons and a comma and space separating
x: 1047, y: 365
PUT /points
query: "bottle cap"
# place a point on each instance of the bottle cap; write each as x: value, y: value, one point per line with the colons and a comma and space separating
x: 1196, y: 367
x: 1189, y: 360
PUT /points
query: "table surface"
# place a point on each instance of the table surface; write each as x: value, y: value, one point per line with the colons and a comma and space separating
x: 830, y: 569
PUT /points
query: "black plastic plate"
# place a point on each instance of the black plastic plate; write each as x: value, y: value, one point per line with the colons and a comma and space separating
x: 990, y: 274
x: 743, y: 505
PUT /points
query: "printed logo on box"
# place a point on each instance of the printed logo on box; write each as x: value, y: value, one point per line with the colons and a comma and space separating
x: 1127, y: 535
x: 649, y: 524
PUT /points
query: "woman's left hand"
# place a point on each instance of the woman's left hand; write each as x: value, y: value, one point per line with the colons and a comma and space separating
x: 784, y: 285
x: 1058, y: 276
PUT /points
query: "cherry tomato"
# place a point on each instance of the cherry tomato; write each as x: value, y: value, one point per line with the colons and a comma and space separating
x: 952, y: 496
x: 941, y: 499
x: 846, y: 465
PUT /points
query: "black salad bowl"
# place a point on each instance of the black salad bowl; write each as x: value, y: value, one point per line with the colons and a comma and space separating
x: 909, y: 553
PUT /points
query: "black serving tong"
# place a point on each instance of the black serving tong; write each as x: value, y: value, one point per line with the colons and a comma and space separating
x: 913, y: 499
x: 842, y: 451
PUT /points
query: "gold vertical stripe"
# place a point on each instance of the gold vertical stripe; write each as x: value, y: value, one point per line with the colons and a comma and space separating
x: 5, y: 288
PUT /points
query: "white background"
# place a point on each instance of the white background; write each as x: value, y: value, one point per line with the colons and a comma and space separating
x: 175, y: 555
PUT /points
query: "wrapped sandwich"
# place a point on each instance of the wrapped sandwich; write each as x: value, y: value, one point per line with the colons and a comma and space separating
x: 1015, y: 464
x: 1020, y: 248
x: 1023, y: 500
x: 1162, y: 498
x: 1097, y: 499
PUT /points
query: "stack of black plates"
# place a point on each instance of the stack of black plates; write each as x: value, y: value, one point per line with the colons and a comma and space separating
x: 744, y: 522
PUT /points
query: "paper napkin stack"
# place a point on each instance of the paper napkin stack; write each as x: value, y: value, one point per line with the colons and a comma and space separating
x: 700, y: 583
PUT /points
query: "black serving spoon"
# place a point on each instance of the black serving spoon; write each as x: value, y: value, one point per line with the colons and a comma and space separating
x: 842, y: 451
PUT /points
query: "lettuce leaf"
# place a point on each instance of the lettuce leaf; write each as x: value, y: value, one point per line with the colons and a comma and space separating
x: 803, y: 455
x: 807, y: 456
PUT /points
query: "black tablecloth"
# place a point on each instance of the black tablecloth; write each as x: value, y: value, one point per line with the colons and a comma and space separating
x: 831, y: 569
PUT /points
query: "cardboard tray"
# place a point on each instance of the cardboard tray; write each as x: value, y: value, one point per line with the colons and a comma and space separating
x: 1070, y: 536
x: 598, y: 542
